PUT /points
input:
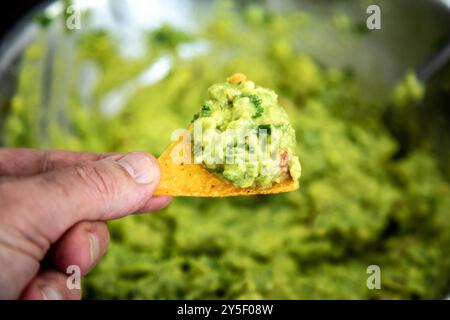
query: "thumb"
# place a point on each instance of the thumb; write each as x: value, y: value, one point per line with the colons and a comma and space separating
x: 92, y: 190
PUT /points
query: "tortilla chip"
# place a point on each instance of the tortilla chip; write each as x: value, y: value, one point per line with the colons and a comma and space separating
x: 193, y: 180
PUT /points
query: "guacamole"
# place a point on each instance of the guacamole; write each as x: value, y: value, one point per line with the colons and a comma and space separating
x: 365, y: 198
x: 245, y: 135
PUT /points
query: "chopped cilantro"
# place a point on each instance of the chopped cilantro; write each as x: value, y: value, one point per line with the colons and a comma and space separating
x: 257, y: 101
x: 266, y: 127
x: 206, y: 111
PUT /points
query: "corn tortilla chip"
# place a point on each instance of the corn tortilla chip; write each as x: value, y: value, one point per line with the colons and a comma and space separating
x: 193, y: 180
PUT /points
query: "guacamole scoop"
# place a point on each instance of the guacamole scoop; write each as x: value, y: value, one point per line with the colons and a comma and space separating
x: 244, y: 136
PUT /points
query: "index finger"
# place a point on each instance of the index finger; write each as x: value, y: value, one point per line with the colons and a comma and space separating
x: 27, y: 162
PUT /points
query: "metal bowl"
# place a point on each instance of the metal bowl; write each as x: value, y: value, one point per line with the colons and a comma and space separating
x: 411, y: 32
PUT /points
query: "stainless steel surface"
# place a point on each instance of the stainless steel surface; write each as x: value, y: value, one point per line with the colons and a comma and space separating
x: 434, y: 64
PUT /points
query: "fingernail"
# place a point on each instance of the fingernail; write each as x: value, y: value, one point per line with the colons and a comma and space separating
x: 94, y: 247
x: 50, y: 294
x: 139, y: 166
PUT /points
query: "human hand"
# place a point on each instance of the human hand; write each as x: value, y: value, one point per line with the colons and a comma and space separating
x: 52, y: 208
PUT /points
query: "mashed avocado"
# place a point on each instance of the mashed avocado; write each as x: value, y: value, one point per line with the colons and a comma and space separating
x: 361, y: 202
x: 252, y: 132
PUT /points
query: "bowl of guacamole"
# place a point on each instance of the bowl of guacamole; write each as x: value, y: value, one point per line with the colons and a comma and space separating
x: 370, y: 137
